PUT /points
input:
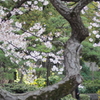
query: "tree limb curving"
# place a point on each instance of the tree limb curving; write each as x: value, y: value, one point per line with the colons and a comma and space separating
x: 53, y: 92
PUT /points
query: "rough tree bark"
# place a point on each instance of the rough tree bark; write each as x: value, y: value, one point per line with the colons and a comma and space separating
x: 71, y: 58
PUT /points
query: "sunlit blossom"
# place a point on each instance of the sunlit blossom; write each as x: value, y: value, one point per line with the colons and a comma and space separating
x: 18, y: 24
x: 81, y: 86
x: 48, y: 44
x: 98, y: 36
x: 90, y: 27
x: 45, y: 3
x: 94, y: 32
x: 54, y: 68
x: 95, y: 24
x: 15, y: 0
x: 35, y: 2
x: 82, y: 11
x: 44, y: 59
x: 57, y: 34
x: 94, y: 45
x: 61, y: 69
x: 86, y: 8
x: 89, y: 34
x: 90, y: 39
x: 60, y: 72
x: 29, y: 2
x: 97, y: 14
x: 41, y: 0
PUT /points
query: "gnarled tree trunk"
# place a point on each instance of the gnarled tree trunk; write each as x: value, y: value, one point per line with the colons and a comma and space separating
x: 71, y: 58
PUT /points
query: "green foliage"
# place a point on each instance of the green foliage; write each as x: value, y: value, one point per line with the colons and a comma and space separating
x: 68, y: 97
x: 96, y: 75
x: 84, y: 97
x: 63, y: 39
x: 85, y: 20
x: 40, y: 82
x: 90, y: 53
x: 5, y: 61
x: 19, y: 88
x: 92, y: 86
x: 40, y: 48
x: 18, y: 32
x: 8, y: 4
x: 54, y: 79
x: 9, y: 75
x: 85, y: 72
x: 54, y: 23
x: 98, y: 92
x: 7, y: 68
x: 40, y: 69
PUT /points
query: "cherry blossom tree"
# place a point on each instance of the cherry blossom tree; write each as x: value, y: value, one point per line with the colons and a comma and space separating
x: 72, y: 47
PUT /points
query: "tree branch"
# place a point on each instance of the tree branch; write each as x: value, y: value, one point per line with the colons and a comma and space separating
x: 81, y: 4
x: 60, y: 7
x: 53, y: 92
x: 67, y: 12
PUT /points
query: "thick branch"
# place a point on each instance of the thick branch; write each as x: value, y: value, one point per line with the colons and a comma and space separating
x: 60, y: 7
x: 71, y: 57
x: 53, y: 92
x: 79, y: 31
x: 65, y: 12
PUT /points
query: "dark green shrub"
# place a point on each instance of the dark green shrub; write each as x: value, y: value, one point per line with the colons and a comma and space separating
x: 19, y: 88
x: 96, y: 75
x: 93, y: 88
